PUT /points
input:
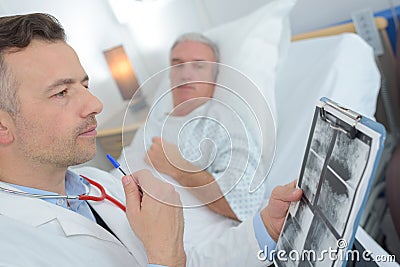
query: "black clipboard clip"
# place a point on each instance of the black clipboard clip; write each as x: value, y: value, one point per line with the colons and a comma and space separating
x: 335, y: 123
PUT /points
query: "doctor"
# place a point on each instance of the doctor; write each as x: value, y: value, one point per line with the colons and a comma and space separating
x: 47, y: 123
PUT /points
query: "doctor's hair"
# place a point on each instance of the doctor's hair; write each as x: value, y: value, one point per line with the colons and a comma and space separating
x: 200, y: 38
x: 16, y: 33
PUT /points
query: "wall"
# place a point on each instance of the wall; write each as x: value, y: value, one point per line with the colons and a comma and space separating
x: 154, y: 26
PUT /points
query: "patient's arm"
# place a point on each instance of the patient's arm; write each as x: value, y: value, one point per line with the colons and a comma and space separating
x: 203, y: 186
x: 201, y: 183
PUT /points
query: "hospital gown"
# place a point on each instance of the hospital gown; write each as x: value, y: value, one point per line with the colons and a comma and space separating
x: 215, y: 140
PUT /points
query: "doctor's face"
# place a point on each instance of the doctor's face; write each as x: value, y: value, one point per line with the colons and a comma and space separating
x: 56, y: 123
x: 195, y: 52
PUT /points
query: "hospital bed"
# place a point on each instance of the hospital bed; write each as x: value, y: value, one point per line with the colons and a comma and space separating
x: 329, y: 63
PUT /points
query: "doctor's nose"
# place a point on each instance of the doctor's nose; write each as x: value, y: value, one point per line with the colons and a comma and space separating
x: 92, y: 105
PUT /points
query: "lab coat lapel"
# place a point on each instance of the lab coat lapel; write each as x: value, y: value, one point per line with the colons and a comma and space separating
x: 116, y: 219
x: 39, y: 213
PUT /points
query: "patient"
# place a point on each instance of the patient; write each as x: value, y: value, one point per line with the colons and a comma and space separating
x: 203, y: 148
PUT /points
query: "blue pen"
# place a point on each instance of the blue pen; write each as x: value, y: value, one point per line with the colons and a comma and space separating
x: 116, y: 165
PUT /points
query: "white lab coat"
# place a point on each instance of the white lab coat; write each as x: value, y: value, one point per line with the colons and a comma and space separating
x: 37, y: 233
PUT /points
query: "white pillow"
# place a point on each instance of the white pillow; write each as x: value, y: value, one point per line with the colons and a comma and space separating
x: 256, y: 44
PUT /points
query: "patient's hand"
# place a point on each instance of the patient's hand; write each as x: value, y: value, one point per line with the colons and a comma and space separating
x: 274, y: 214
x: 166, y: 158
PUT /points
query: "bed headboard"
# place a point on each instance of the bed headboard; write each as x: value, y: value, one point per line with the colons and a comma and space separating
x: 387, y: 64
x: 381, y: 23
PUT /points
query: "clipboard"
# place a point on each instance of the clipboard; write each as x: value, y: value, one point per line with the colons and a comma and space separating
x: 341, y: 159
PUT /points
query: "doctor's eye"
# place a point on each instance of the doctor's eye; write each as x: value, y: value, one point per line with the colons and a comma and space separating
x: 62, y: 93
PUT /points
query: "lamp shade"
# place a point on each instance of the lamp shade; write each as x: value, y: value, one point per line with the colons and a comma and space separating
x: 122, y: 71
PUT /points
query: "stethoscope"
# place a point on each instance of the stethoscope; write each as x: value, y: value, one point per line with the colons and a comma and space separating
x: 103, y: 195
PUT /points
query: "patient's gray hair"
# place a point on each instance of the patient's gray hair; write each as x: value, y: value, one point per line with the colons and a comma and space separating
x: 198, y: 37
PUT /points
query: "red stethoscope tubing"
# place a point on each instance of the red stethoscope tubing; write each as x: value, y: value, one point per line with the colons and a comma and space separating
x: 103, y: 195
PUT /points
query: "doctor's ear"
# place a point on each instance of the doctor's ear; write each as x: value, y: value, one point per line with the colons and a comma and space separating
x: 6, y: 126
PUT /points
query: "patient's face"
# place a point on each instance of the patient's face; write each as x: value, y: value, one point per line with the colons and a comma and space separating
x: 195, y: 52
x: 56, y: 123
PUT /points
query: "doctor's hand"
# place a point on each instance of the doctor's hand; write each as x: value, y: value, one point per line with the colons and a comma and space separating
x: 166, y: 158
x: 274, y: 214
x: 156, y: 218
